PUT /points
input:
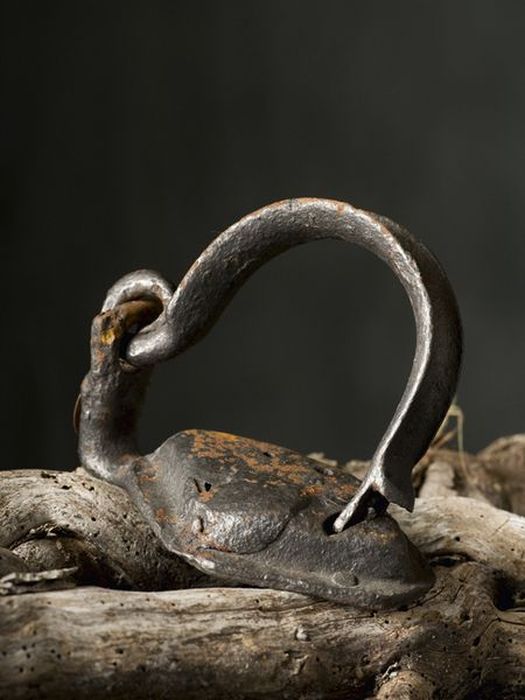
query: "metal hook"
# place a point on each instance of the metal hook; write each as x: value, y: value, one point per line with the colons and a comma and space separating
x: 233, y: 256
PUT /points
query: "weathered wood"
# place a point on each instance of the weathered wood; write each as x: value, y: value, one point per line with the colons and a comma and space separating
x: 466, y: 639
x: 504, y: 460
x: 258, y: 643
x: 55, y: 520
x: 462, y: 528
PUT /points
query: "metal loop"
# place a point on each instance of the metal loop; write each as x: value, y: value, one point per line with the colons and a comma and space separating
x: 138, y: 285
x: 141, y: 284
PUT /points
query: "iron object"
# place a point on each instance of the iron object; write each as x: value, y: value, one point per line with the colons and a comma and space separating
x: 248, y: 511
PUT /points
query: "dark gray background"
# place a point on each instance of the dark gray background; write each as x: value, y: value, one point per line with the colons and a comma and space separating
x: 134, y: 132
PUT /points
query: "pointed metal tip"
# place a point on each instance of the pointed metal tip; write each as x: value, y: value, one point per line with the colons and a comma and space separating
x: 342, y: 519
x: 355, y: 510
x: 367, y: 497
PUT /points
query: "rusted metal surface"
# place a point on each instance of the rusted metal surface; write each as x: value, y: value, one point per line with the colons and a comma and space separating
x: 253, y: 512
x: 262, y: 515
x: 236, y: 508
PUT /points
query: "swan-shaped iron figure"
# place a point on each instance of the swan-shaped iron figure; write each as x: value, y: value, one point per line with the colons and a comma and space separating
x: 249, y: 511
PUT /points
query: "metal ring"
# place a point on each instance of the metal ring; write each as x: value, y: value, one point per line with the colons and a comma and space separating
x: 142, y: 284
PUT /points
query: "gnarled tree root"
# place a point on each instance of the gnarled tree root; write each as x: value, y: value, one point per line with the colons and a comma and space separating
x: 133, y: 638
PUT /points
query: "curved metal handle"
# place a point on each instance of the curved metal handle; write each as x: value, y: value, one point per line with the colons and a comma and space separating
x: 234, y: 255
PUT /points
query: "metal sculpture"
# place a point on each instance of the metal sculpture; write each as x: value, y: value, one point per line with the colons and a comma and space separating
x: 248, y: 511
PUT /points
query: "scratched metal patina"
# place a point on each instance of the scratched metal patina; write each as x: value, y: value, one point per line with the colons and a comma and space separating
x: 248, y: 511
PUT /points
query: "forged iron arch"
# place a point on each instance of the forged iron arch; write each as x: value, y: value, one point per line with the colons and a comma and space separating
x: 190, y: 311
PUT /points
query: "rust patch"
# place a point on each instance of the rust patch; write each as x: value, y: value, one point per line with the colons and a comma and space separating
x: 258, y: 457
x: 344, y: 488
x: 146, y: 473
x: 147, y: 478
x: 108, y: 337
x: 161, y: 516
x: 267, y: 464
x: 206, y: 495
x: 312, y: 490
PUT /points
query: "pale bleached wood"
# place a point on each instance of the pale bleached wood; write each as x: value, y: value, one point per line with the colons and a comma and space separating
x: 455, y: 526
x: 504, y: 460
x: 209, y: 643
x: 466, y: 639
x: 54, y: 520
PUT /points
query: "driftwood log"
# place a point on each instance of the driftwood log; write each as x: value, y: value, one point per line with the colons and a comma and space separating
x: 91, y: 606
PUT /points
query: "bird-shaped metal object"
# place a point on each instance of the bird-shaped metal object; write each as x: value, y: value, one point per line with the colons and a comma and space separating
x: 248, y: 511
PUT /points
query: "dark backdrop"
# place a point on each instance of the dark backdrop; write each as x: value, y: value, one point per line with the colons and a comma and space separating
x: 133, y: 132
